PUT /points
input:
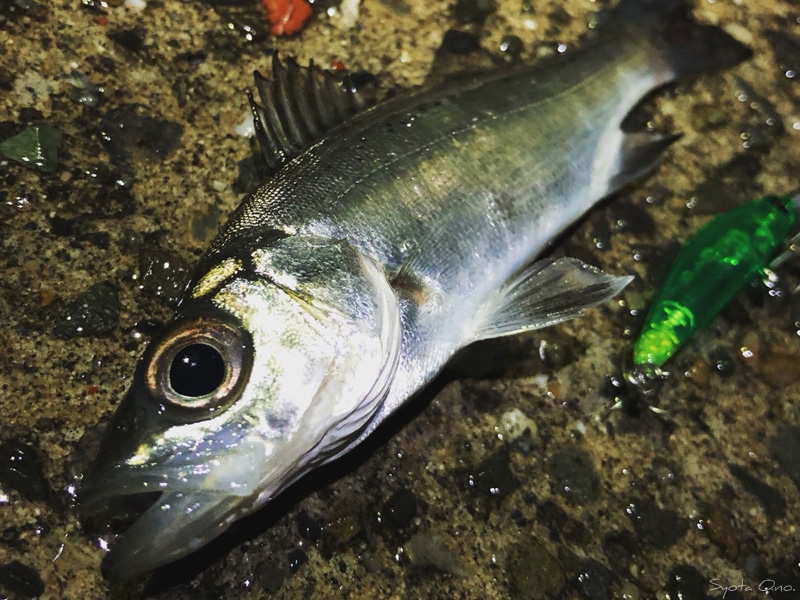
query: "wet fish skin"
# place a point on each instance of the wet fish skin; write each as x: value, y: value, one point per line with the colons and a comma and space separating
x: 345, y: 283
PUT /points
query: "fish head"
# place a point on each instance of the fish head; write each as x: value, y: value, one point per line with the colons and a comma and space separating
x: 277, y: 362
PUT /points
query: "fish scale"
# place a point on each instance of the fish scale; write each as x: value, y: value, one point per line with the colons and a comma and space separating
x: 433, y: 187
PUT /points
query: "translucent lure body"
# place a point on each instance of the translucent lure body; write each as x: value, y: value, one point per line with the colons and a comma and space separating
x: 711, y: 268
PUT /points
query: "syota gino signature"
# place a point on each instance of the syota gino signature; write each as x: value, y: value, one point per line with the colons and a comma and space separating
x: 766, y: 586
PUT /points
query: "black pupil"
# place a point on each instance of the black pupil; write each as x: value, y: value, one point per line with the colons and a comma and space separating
x: 197, y: 370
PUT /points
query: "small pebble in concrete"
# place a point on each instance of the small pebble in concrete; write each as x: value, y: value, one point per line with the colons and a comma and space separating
x: 426, y: 549
x: 574, y: 475
x: 593, y: 581
x: 36, y: 147
x: 687, y: 582
x: 786, y: 448
x: 533, y: 573
x: 399, y: 510
x: 94, y: 312
x: 771, y: 499
x: 656, y: 527
x: 20, y: 470
x: 20, y: 581
x: 493, y: 476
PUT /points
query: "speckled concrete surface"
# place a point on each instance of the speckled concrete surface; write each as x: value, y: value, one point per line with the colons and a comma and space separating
x: 592, y: 504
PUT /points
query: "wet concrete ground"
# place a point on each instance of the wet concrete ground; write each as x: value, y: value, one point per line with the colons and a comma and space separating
x: 449, y: 501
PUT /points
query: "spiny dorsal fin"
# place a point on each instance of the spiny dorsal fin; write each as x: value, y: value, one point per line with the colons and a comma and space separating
x: 298, y: 106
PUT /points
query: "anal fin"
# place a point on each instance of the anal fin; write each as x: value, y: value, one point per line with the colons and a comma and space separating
x: 544, y: 293
x: 640, y: 153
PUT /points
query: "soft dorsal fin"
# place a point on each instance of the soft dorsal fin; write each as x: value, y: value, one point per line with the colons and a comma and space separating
x: 299, y: 105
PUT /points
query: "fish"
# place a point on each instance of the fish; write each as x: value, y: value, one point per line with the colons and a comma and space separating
x: 385, y: 239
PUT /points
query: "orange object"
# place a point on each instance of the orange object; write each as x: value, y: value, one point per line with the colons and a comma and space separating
x: 337, y: 65
x: 287, y: 16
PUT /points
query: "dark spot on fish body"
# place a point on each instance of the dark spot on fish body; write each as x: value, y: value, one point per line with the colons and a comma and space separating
x: 277, y: 419
x: 524, y: 443
x: 408, y: 287
x: 180, y: 88
x: 148, y: 327
x: 102, y: 64
x: 192, y: 58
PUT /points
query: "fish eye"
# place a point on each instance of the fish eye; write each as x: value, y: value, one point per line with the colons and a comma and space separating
x: 197, y: 370
x: 198, y: 364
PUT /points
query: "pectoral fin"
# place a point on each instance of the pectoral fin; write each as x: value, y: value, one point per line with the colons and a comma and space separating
x: 546, y: 292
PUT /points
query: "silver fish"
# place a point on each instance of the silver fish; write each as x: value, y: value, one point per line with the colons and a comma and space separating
x: 381, y: 245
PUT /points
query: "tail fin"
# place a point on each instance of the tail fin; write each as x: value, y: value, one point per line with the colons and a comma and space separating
x: 691, y: 48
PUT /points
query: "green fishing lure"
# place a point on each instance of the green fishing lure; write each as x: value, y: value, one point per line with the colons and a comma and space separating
x: 714, y: 265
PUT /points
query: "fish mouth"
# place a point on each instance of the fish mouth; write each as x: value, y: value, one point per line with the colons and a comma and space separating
x: 163, y: 526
